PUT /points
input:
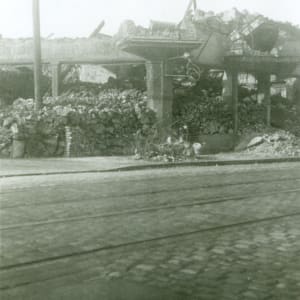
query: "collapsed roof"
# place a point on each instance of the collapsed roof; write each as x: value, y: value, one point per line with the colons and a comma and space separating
x: 232, y: 33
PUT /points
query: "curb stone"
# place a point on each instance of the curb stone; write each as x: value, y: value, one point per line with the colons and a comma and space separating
x: 204, y: 163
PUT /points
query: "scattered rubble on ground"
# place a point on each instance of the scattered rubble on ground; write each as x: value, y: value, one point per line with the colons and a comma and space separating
x: 268, y: 143
x: 278, y: 143
x: 173, y: 149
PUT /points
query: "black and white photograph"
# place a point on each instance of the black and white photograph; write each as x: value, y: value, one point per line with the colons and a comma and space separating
x: 149, y: 150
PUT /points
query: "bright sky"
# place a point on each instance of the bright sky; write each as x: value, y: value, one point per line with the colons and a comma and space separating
x: 73, y: 18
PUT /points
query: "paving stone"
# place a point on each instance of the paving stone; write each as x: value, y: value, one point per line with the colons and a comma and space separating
x: 145, y: 267
x: 257, y: 260
x: 188, y: 272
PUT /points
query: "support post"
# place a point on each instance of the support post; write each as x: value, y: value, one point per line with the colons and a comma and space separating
x: 160, y: 93
x: 264, y: 86
x: 234, y: 84
x: 227, y: 87
x: 268, y: 102
x: 37, y: 54
x: 55, y: 68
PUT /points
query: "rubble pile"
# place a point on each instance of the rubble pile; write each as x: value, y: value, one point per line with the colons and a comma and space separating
x: 249, y: 34
x: 244, y: 33
x: 157, y: 30
x: 279, y: 143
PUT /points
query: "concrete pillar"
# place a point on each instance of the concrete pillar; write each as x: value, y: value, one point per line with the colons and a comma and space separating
x: 268, y: 102
x: 230, y: 94
x: 55, y: 70
x: 264, y: 86
x: 160, y: 93
x: 227, y: 87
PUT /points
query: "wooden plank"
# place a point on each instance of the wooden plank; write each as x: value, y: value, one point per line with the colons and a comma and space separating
x: 97, y: 30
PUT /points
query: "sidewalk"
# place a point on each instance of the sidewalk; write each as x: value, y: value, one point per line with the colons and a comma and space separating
x: 48, y: 166
x: 9, y: 167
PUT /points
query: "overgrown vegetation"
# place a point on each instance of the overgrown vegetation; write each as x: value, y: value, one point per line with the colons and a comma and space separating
x: 203, y: 110
x: 103, y: 125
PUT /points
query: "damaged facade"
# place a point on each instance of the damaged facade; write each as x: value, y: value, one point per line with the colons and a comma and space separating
x: 243, y: 49
x: 235, y: 42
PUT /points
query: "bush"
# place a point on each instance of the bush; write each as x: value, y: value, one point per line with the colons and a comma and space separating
x: 204, y: 115
x: 209, y: 114
x: 108, y: 124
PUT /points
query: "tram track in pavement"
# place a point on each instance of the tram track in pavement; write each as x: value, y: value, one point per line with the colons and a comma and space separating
x: 204, y: 201
x: 145, y: 241
x: 145, y: 192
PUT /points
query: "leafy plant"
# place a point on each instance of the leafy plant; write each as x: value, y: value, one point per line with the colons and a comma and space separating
x: 107, y: 124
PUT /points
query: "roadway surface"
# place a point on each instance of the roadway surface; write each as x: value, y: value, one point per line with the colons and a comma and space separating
x: 185, y: 233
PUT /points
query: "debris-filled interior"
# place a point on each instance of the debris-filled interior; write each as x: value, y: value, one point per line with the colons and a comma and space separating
x: 231, y: 74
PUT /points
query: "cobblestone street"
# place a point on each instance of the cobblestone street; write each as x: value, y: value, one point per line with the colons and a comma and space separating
x: 229, y: 232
